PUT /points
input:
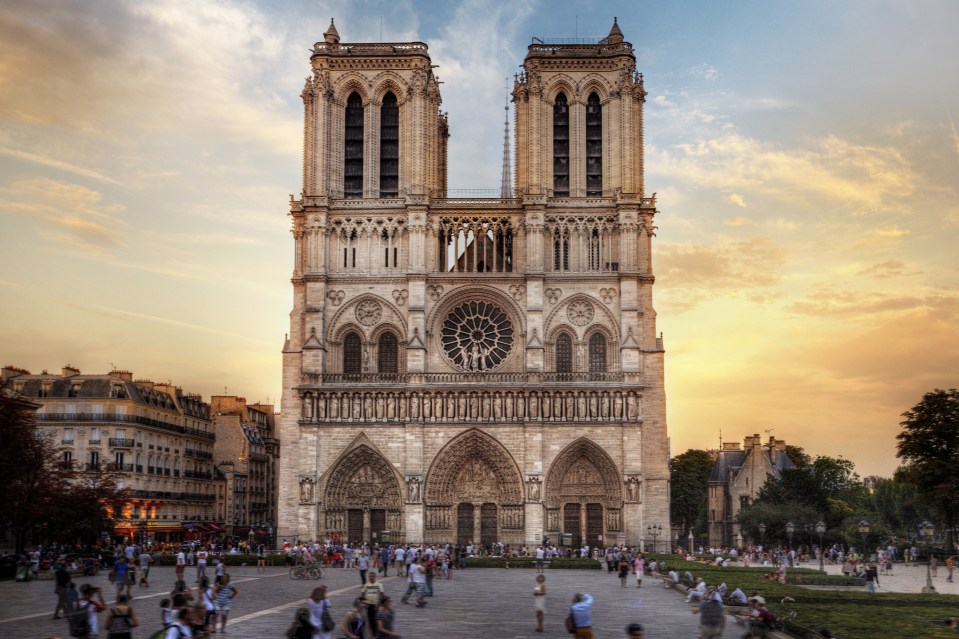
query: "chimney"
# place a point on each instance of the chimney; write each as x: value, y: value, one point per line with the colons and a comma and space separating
x: 127, y: 375
x: 730, y: 445
x: 69, y: 371
x: 12, y: 371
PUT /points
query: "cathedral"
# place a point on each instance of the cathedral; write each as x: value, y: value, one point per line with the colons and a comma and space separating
x: 473, y: 369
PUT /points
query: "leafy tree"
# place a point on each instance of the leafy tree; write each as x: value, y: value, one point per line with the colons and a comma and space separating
x: 929, y: 447
x: 688, y: 479
x: 798, y: 456
x: 897, y: 505
x: 34, y: 481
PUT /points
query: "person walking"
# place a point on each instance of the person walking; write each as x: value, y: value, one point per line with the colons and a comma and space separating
x: 872, y: 578
x: 222, y: 601
x: 950, y: 566
x: 121, y: 620
x: 712, y: 619
x: 639, y: 567
x: 372, y: 594
x: 354, y: 620
x: 418, y: 571
x: 623, y: 567
x: 61, y: 585
x: 384, y: 620
x: 539, y: 601
x: 319, y: 611
x: 201, y: 556
x: 91, y: 607
x: 634, y: 631
x: 261, y: 558
x: 363, y: 562
x: 582, y: 613
x: 146, y: 560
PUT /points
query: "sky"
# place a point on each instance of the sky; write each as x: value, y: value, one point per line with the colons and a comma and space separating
x: 805, y: 157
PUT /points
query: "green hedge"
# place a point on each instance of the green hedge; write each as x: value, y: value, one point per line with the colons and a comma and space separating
x: 530, y: 562
x: 229, y: 560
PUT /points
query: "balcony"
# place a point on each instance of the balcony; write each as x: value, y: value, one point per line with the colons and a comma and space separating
x: 92, y: 467
x: 139, y: 468
x: 65, y: 465
x: 121, y: 442
x: 121, y: 468
x: 198, y: 454
x: 94, y: 442
x: 260, y: 457
x: 125, y: 419
x: 470, y: 379
x: 67, y: 442
x: 197, y: 474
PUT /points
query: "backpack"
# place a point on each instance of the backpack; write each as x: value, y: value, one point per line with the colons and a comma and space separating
x: 78, y: 620
x: 119, y: 624
x: 161, y: 634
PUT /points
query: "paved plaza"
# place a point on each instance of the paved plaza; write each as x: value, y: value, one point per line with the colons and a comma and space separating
x: 479, y: 602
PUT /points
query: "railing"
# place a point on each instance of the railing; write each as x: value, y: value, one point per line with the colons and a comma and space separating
x: 127, y: 419
x: 314, y: 379
x: 65, y: 465
x: 197, y: 474
x: 67, y: 442
x: 92, y: 467
x: 121, y: 468
x: 94, y: 442
x: 199, y: 454
x: 122, y: 442
x: 258, y: 457
x: 139, y: 468
x: 157, y: 494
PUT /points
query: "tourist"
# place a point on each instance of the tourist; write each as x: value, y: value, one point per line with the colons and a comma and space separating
x: 180, y: 564
x: 223, y: 599
x: 872, y: 578
x: 121, y: 620
x: 62, y: 585
x: 384, y: 620
x: 146, y: 560
x: 208, y: 598
x: 180, y: 627
x: 582, y: 611
x: 639, y: 567
x: 950, y: 566
x: 540, y: 559
x: 712, y: 619
x: 354, y: 620
x: 91, y: 606
x: 539, y: 601
x: 372, y: 593
x: 418, y: 571
x: 934, y: 565
x: 623, y: 571
x: 301, y: 628
x: 201, y: 557
x: 319, y: 608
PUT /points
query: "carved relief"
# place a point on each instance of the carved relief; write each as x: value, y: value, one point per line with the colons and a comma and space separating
x: 306, y: 490
x: 363, y: 478
x: 400, y: 296
x: 335, y: 297
x: 614, y: 519
x: 552, y: 519
x: 632, y: 484
x: 517, y: 291
x: 368, y: 312
x: 413, y: 489
x: 553, y: 295
x: 435, y: 291
x: 474, y: 467
x: 584, y: 472
x: 607, y: 295
x: 534, y: 487
x: 580, y: 312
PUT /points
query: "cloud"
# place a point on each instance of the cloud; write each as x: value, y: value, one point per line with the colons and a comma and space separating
x: 832, y: 302
x: 753, y: 263
x: 58, y: 164
x: 79, y: 217
x: 705, y: 72
x: 130, y: 315
x: 737, y: 199
x: 857, y: 179
x: 884, y: 270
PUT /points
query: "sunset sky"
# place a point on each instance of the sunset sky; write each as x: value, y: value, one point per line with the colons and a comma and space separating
x: 805, y: 157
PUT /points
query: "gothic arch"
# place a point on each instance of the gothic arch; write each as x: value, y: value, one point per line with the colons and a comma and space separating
x: 558, y: 83
x: 593, y: 83
x: 349, y: 83
x: 361, y: 478
x: 601, y: 318
x: 390, y: 314
x: 583, y: 472
x: 474, y: 467
x: 389, y: 81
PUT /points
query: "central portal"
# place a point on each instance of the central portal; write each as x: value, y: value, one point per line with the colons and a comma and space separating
x: 488, y: 525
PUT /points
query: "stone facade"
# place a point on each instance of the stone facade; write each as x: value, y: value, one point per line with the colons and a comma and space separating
x: 737, y: 478
x: 473, y: 369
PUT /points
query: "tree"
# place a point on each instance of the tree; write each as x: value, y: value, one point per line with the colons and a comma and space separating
x: 688, y: 479
x: 34, y: 480
x: 896, y: 505
x: 929, y: 448
x: 798, y: 455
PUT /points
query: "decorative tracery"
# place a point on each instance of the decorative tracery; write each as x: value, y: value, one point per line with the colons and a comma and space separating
x: 363, y: 478
x: 474, y: 244
x: 474, y: 467
x: 477, y: 336
x: 583, y: 472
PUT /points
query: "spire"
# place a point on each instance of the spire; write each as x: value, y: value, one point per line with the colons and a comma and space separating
x: 506, y: 190
x: 331, y: 36
x: 615, y: 35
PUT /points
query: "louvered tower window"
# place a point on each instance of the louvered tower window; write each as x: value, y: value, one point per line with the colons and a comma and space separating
x: 561, y: 146
x: 564, y: 354
x: 353, y: 148
x: 386, y: 354
x: 597, y: 353
x: 389, y: 147
x: 352, y: 355
x: 594, y: 146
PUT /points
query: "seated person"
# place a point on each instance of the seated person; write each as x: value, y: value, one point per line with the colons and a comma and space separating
x: 738, y: 597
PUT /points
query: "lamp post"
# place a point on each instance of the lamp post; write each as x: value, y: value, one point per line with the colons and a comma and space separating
x: 790, y: 529
x: 762, y: 536
x: 654, y: 531
x: 926, y: 530
x: 821, y: 528
x: 692, y: 540
x: 863, y: 531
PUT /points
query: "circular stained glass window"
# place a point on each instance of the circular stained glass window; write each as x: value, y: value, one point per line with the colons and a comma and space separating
x: 477, y: 336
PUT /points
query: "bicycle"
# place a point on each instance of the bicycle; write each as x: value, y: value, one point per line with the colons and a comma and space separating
x: 304, y: 571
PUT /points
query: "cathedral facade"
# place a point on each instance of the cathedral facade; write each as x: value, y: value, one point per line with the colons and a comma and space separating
x: 482, y: 370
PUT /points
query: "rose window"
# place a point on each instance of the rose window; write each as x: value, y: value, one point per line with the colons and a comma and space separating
x: 477, y: 336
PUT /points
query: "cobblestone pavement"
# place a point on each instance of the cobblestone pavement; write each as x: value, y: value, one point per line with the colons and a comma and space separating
x: 489, y: 603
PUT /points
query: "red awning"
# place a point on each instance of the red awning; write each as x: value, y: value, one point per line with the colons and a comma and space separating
x: 217, y: 528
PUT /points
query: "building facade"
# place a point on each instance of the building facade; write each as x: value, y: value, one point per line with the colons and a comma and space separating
x: 473, y: 369
x: 156, y: 440
x: 246, y: 456
x: 738, y: 476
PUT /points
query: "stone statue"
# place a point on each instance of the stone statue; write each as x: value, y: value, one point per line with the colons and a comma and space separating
x: 427, y: 406
x: 497, y: 407
x: 402, y: 407
x: 415, y: 406
x: 334, y: 407
x: 321, y: 408
x: 617, y: 405
x: 450, y: 407
x: 581, y: 406
x: 474, y: 407
x: 570, y: 410
x: 390, y: 406
x: 306, y: 491
x: 438, y: 405
x: 368, y: 407
x: 379, y: 406
x: 632, y: 406
x: 485, y: 406
x: 534, y: 485
x: 413, y: 486
x: 461, y: 406
x: 604, y: 406
x: 357, y: 407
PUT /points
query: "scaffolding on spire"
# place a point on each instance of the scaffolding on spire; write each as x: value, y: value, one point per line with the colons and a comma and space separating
x: 506, y: 190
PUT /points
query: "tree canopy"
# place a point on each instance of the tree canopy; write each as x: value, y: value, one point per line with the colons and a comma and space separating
x: 929, y: 448
x: 688, y: 479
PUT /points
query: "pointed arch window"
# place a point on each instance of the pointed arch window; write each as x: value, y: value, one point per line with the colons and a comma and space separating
x: 594, y: 146
x: 561, y: 146
x: 387, y: 354
x: 564, y: 354
x: 352, y: 355
x: 560, y: 249
x: 389, y: 147
x: 353, y: 148
x: 597, y: 353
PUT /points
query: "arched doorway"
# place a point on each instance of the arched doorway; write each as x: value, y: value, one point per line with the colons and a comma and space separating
x: 363, y: 497
x: 474, y: 492
x: 584, y: 496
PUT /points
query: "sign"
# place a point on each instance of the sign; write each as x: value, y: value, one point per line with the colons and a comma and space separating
x: 599, y: 537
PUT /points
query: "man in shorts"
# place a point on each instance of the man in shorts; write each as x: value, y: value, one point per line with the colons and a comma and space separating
x: 540, y: 557
x: 180, y: 564
x: 145, y: 562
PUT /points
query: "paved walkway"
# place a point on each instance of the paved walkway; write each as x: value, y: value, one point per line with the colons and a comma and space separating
x: 489, y: 603
x: 907, y: 579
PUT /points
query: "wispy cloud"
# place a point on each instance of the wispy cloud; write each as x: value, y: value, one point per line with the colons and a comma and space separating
x: 58, y: 164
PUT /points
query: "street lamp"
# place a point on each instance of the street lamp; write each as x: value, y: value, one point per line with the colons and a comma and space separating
x: 654, y: 531
x: 790, y: 529
x: 926, y: 530
x: 821, y: 528
x: 863, y: 531
x: 762, y: 535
